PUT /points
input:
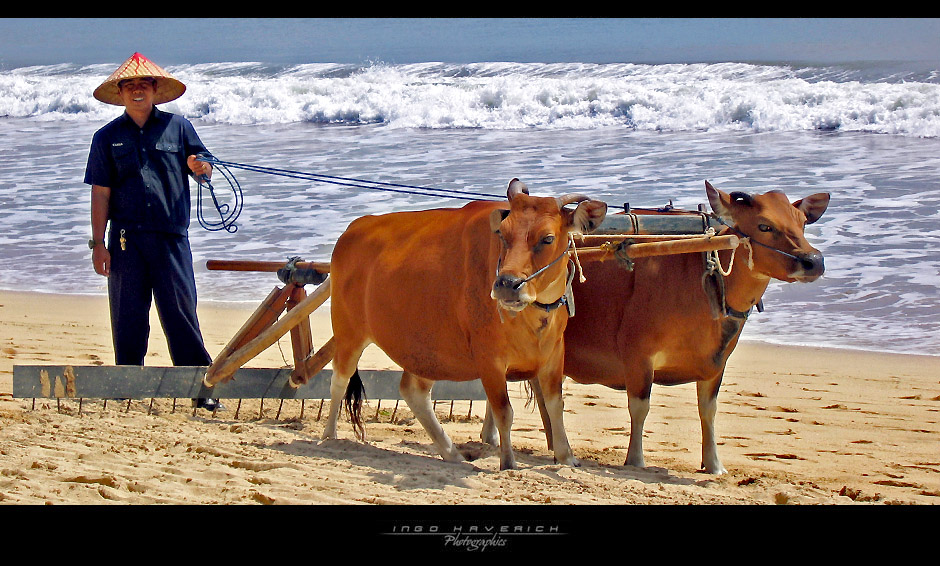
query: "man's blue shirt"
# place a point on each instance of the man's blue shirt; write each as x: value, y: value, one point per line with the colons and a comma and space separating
x: 146, y: 170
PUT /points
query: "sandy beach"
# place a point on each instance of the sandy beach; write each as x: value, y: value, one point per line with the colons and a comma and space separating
x: 796, y: 425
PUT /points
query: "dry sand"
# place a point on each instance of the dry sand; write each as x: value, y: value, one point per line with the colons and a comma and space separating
x: 795, y: 425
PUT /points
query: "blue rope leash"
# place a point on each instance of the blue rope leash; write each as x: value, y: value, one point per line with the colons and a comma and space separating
x: 228, y: 214
x: 352, y: 182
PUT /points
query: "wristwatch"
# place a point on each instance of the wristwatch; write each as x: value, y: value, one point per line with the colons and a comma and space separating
x: 92, y: 243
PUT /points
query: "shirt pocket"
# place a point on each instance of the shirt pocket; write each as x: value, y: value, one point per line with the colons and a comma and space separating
x: 168, y: 159
x: 168, y: 146
x: 125, y: 160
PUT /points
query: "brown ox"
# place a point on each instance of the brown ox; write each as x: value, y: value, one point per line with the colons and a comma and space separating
x: 420, y: 285
x: 655, y: 324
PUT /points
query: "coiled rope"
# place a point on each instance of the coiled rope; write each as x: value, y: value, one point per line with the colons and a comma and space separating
x: 227, y: 214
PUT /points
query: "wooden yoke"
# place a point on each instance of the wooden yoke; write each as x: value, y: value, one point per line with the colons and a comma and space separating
x: 608, y: 246
x: 264, y: 329
x: 264, y: 266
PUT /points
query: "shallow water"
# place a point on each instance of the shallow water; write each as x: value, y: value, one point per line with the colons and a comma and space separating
x: 880, y: 235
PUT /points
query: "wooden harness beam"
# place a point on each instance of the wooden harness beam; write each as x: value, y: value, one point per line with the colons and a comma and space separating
x: 223, y: 368
x: 612, y: 248
x: 185, y: 382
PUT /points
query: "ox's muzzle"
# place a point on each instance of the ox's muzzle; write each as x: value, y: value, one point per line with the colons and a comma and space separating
x: 810, y: 267
x: 511, y: 292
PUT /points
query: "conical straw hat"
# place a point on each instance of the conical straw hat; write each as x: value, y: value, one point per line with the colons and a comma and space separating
x: 168, y: 87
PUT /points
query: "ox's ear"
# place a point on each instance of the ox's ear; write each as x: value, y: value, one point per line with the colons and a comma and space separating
x: 724, y: 204
x: 720, y: 202
x: 516, y: 187
x: 587, y: 217
x: 497, y: 217
x: 813, y: 206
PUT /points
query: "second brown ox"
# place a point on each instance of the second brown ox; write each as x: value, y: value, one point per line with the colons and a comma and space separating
x: 459, y: 294
x: 656, y: 324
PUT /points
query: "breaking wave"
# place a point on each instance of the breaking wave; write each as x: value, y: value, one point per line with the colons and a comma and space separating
x: 513, y: 96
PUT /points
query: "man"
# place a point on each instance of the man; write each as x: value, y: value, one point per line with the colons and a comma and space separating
x: 137, y: 167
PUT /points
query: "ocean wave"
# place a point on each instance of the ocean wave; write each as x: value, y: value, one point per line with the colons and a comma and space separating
x: 511, y: 96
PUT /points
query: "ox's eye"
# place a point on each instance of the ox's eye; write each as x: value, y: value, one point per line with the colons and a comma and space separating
x: 765, y: 228
x: 547, y: 240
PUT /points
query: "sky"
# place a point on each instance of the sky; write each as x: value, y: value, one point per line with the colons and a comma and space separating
x: 31, y: 41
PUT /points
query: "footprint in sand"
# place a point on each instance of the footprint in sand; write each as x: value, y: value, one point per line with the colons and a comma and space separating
x: 772, y: 456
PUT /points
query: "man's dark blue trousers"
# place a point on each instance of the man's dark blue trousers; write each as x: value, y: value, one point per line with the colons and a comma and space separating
x: 159, y: 265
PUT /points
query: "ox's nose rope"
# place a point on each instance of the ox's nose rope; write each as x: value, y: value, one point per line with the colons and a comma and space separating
x: 573, y: 265
x: 542, y: 270
x: 570, y: 247
x: 752, y: 240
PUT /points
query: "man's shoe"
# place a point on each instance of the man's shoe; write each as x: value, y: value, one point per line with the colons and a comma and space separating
x: 209, y: 404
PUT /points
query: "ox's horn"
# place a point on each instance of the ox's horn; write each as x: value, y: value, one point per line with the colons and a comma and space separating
x: 570, y: 198
x: 516, y: 187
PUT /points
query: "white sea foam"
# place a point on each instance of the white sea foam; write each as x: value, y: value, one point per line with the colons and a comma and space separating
x: 499, y: 96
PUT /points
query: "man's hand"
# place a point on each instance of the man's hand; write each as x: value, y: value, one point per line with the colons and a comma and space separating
x: 101, y: 258
x: 199, y: 167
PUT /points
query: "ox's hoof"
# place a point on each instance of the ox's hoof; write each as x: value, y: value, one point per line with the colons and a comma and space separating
x: 716, y: 469
x: 454, y: 456
x: 635, y: 462
x: 572, y: 461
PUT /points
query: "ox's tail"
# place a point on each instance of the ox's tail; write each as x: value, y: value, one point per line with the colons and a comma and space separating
x: 355, y: 393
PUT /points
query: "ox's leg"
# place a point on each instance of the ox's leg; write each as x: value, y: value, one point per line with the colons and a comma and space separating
x: 638, y: 403
x: 543, y: 411
x: 345, y: 361
x: 707, y: 408
x: 417, y: 394
x: 488, y: 433
x: 554, y: 407
x: 498, y: 403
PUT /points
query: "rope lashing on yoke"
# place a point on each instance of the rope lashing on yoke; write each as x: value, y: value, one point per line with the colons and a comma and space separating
x: 291, y: 273
x: 714, y: 263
